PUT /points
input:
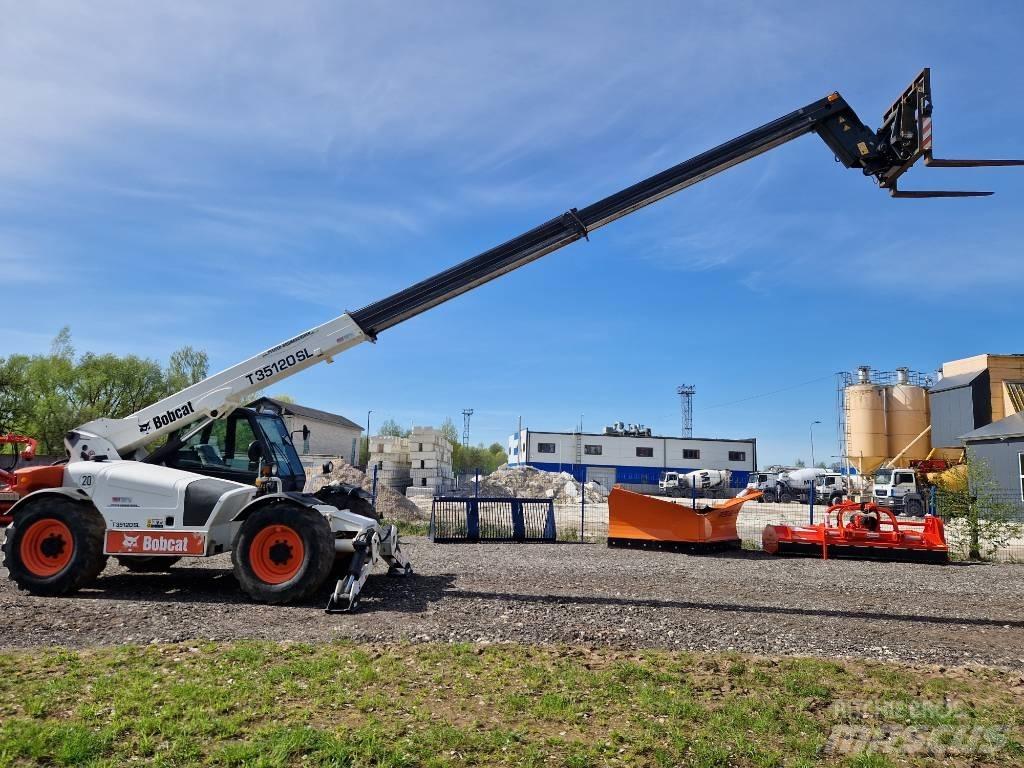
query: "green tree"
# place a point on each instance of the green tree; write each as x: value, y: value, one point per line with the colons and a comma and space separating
x: 979, y: 518
x: 44, y: 396
x: 391, y: 428
x: 799, y: 463
x: 187, y: 366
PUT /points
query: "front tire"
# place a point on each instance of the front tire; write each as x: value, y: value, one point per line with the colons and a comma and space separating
x: 55, y: 546
x: 283, y: 553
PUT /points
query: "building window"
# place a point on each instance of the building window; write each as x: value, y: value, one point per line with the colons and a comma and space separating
x: 691, y: 453
x: 545, y: 447
x: 645, y: 453
x: 737, y: 455
x: 592, y: 450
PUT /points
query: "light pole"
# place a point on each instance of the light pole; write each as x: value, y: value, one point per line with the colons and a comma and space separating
x: 812, y: 441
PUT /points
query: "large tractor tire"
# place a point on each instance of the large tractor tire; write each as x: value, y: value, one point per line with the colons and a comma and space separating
x: 55, y: 546
x: 148, y: 564
x: 283, y: 553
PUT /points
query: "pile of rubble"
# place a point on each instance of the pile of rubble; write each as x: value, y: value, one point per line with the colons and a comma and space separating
x: 391, y: 504
x: 528, y: 482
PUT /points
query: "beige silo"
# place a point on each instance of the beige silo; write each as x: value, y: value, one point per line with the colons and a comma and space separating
x: 867, y: 443
x: 906, y: 418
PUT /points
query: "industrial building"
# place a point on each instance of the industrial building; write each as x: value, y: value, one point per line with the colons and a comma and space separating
x: 632, y: 457
x: 975, y: 403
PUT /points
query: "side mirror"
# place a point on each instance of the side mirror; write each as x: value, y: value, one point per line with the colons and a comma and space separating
x: 255, y: 452
x: 305, y: 432
x: 328, y: 467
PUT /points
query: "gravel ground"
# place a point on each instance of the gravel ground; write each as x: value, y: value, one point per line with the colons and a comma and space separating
x: 573, y: 593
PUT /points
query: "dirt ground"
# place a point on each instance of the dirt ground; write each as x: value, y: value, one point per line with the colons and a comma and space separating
x: 573, y: 593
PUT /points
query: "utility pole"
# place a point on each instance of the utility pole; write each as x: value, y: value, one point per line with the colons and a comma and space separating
x: 686, y: 392
x: 812, y: 442
x: 466, y: 413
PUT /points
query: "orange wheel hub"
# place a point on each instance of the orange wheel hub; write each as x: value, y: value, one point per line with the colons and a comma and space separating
x: 276, y: 554
x: 47, y: 548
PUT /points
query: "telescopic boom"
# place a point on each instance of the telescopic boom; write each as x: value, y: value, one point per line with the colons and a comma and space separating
x: 885, y: 154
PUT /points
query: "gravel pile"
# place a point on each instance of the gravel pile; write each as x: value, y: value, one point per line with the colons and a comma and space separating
x: 573, y: 593
x: 528, y: 482
x: 390, y: 503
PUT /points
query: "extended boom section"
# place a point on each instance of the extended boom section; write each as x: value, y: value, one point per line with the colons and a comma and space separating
x: 228, y: 479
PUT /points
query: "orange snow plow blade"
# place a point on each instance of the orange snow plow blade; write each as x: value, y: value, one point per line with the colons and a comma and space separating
x: 639, y: 521
x: 861, y: 530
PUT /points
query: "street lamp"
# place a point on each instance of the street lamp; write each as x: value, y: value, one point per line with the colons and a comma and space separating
x: 812, y: 441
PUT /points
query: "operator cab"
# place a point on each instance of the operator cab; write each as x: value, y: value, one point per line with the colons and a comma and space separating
x: 234, y: 449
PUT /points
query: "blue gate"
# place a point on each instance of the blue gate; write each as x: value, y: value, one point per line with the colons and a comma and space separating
x: 455, y: 519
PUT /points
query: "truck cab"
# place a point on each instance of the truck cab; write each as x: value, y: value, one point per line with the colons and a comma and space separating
x: 764, y: 482
x: 234, y: 448
x: 899, y: 490
x: 831, y: 487
x: 670, y: 483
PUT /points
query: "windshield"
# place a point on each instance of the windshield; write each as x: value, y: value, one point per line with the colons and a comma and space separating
x: 883, y: 476
x: 284, y: 453
x: 670, y: 476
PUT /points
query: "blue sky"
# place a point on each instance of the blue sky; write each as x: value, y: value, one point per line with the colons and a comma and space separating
x: 225, y: 175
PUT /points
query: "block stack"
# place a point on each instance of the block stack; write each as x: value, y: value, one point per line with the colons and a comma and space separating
x: 431, y: 456
x: 390, y: 456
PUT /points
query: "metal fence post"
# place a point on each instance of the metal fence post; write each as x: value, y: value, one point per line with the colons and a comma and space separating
x: 583, y: 502
x: 373, y: 492
x: 693, y: 495
x: 932, y: 506
x: 811, y: 505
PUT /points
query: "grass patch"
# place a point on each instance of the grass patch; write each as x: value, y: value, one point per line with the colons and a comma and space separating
x: 268, y: 704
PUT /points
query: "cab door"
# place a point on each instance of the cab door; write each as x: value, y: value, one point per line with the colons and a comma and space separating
x: 221, y: 449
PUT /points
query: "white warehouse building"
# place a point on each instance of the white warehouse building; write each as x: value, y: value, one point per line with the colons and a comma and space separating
x: 630, y: 459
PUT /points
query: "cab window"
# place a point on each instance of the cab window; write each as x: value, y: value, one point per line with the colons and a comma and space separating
x: 222, y: 445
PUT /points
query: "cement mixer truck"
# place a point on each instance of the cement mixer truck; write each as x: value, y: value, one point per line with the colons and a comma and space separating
x: 706, y: 482
x: 796, y: 484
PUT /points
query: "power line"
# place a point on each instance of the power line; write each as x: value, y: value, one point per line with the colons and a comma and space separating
x: 772, y: 392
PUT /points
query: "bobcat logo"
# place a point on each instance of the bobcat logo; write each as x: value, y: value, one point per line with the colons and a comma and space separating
x: 130, y: 542
x: 144, y: 428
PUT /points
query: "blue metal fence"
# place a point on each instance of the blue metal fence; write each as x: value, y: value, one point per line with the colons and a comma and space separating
x: 471, y: 518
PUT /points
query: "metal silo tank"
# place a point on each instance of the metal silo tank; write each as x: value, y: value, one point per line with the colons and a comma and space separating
x: 907, y: 417
x: 867, y: 439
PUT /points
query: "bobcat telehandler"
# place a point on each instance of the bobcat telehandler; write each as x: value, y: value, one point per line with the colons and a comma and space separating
x: 118, y: 495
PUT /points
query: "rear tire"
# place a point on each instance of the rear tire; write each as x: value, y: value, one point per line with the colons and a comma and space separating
x: 55, y: 546
x: 283, y: 553
x: 785, y: 498
x: 147, y: 564
x: 913, y: 508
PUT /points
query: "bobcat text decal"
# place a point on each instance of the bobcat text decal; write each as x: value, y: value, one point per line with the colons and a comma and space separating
x: 155, y: 543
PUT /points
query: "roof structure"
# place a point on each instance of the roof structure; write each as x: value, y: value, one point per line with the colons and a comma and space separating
x: 302, y: 411
x: 956, y: 381
x: 1011, y: 426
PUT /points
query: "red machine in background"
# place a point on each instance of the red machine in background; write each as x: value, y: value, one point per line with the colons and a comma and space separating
x: 861, y: 530
x: 8, y: 480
